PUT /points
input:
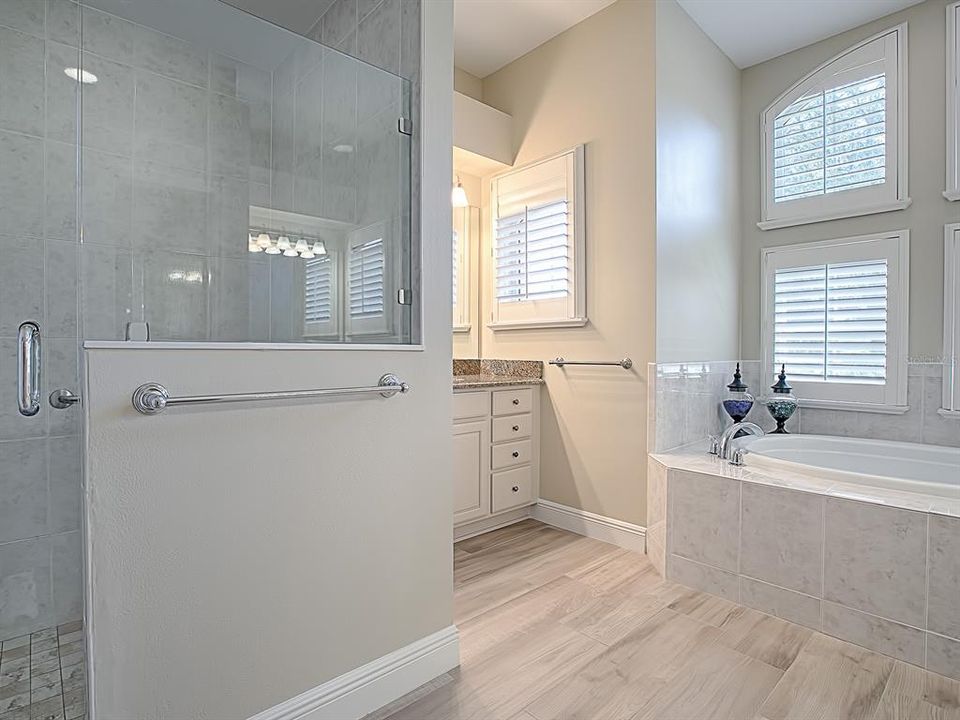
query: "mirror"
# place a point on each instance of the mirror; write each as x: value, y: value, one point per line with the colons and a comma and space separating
x: 465, y: 240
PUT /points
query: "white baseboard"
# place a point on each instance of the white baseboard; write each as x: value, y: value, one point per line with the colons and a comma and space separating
x: 616, y: 532
x: 371, y: 686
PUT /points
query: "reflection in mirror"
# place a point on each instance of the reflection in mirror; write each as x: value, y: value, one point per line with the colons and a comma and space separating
x: 240, y: 182
x: 466, y: 306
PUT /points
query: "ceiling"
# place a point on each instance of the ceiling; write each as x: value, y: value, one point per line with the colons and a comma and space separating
x: 489, y: 34
x: 297, y: 15
x: 751, y: 31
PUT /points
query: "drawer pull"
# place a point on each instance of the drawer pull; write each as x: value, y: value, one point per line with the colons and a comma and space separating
x: 516, y: 428
x: 516, y: 401
x: 516, y: 488
x: 515, y: 454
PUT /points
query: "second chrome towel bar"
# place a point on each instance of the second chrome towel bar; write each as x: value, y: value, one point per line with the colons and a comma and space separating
x: 153, y: 398
x: 626, y: 363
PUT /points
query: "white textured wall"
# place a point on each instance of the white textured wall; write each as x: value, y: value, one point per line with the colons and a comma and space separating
x: 241, y: 555
x: 698, y: 193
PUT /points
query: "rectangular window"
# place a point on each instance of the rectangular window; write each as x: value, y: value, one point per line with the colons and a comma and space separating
x: 835, y: 315
x: 369, y: 292
x: 539, y: 245
x: 951, y: 320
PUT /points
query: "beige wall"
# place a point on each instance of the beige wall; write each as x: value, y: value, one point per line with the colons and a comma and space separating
x: 698, y: 193
x: 594, y: 84
x: 924, y: 218
x: 241, y: 555
x: 470, y: 85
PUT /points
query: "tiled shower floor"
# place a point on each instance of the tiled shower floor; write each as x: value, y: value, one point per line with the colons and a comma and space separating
x: 43, y: 675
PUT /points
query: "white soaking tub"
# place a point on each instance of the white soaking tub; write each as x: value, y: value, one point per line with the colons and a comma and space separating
x: 908, y: 467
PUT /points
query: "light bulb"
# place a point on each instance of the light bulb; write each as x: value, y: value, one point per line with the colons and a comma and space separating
x: 272, y: 250
x: 283, y: 242
x: 253, y: 247
x: 319, y: 248
x: 301, y: 246
x: 458, y: 196
x: 289, y: 252
x: 263, y: 240
x: 307, y: 254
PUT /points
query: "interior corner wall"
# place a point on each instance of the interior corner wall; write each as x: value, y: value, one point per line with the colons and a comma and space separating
x: 469, y: 85
x: 594, y: 84
x: 698, y: 193
x: 929, y: 210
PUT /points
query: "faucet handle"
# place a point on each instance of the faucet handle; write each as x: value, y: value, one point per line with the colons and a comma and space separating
x: 714, y: 444
x: 737, y: 457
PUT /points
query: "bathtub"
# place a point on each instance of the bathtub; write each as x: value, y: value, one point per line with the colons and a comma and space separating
x: 909, y: 467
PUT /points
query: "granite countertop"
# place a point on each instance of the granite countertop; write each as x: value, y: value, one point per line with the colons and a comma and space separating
x: 484, y: 380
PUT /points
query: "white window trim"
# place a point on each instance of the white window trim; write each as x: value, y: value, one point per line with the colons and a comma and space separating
x: 951, y: 339
x: 378, y: 325
x: 952, y: 191
x: 578, y: 315
x: 330, y: 328
x: 468, y: 229
x: 895, y: 393
x: 820, y: 212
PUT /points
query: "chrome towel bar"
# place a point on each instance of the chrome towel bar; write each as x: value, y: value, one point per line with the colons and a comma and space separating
x: 626, y: 363
x: 153, y: 398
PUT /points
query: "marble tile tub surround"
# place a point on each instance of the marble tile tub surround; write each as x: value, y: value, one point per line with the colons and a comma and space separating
x: 686, y: 407
x: 883, y: 577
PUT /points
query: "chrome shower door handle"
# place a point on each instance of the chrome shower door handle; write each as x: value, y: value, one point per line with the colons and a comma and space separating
x: 28, y: 369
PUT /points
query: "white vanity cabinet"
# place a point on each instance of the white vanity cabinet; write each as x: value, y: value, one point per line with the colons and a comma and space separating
x: 496, y: 452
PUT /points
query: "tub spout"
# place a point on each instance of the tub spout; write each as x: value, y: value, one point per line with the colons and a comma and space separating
x: 731, y: 432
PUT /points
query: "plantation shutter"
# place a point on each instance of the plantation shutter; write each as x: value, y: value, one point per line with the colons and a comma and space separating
x: 317, y: 305
x: 456, y: 271
x: 366, y: 271
x: 831, y: 141
x: 830, y: 321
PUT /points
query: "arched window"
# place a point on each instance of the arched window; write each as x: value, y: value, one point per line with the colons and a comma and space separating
x: 834, y: 144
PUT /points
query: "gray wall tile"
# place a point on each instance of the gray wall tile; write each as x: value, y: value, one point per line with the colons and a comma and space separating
x: 62, y: 271
x: 107, y: 198
x: 63, y: 21
x: 25, y: 587
x: 108, y: 35
x: 875, y: 559
x: 890, y: 638
x: 60, y: 364
x: 782, y: 537
x: 23, y: 15
x: 67, y: 565
x: 378, y: 37
x: 786, y: 604
x: 60, y: 191
x: 943, y: 656
x: 338, y: 22
x: 65, y: 470
x: 171, y: 122
x: 175, y: 295
x: 106, y: 303
x: 169, y: 208
x: 937, y: 430
x: 228, y: 217
x: 704, y: 519
x: 21, y: 283
x: 23, y: 489
x: 21, y: 80
x: 240, y: 299
x: 703, y: 577
x: 943, y: 615
x: 229, y: 136
x: 108, y: 107
x: 61, y: 93
x: 169, y: 56
x: 21, y: 185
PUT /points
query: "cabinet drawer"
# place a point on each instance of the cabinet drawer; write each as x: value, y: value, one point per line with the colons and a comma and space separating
x: 470, y: 405
x: 512, y: 488
x: 512, y: 428
x: 510, y: 402
x: 510, y: 454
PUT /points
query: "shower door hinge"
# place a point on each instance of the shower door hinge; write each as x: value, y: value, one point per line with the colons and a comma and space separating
x: 405, y: 126
x: 404, y: 297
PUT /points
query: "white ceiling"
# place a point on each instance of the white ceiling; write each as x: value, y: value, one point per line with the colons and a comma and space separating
x: 489, y: 34
x: 751, y: 31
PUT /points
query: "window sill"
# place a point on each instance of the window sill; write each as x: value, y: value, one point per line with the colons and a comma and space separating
x: 538, y: 324
x: 836, y: 215
x: 460, y: 329
x: 952, y: 195
x: 854, y: 406
x: 949, y: 414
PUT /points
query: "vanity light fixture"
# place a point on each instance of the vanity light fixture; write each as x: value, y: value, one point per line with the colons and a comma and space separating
x: 263, y: 240
x: 252, y: 244
x: 87, y: 78
x: 458, y: 196
x: 319, y: 248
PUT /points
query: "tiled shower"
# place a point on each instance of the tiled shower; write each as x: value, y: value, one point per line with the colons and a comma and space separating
x: 128, y: 197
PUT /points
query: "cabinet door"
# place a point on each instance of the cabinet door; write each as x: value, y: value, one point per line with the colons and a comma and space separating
x: 471, y: 471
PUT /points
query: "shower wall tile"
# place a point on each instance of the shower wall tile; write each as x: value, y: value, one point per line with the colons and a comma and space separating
x: 21, y: 81
x: 229, y: 131
x: 282, y: 149
x: 875, y: 559
x: 108, y: 113
x: 21, y: 185
x: 943, y: 656
x: 240, y: 299
x: 365, y: 7
x: 106, y: 303
x: 943, y: 614
x: 228, y: 216
x: 169, y: 208
x: 23, y: 489
x: 169, y: 56
x: 61, y: 94
x: 261, y: 118
x: 23, y: 15
x: 25, y: 586
x: 67, y: 569
x: 107, y: 198
x: 340, y: 85
x: 108, y: 35
x: 61, y: 370
x: 378, y: 37
x: 171, y: 122
x: 63, y: 22
x: 61, y: 270
x: 937, y: 430
x: 64, y: 471
x: 338, y: 22
x: 60, y: 191
x: 376, y: 91
x: 175, y: 295
x: 378, y: 150
x: 308, y: 144
x: 14, y: 426
x: 410, y: 39
x: 21, y: 283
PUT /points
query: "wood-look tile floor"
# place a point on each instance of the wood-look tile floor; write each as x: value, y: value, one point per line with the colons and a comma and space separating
x: 43, y: 675
x: 554, y: 626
